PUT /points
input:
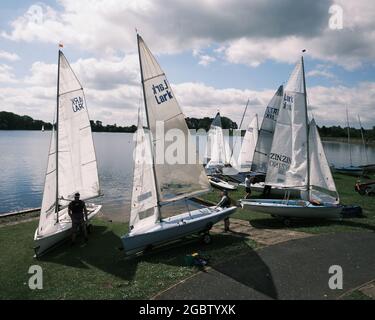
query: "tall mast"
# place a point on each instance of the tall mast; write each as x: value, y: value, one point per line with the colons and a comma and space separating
x: 57, y: 137
x: 363, y: 139
x: 307, y: 126
x: 350, y: 147
x: 148, y: 125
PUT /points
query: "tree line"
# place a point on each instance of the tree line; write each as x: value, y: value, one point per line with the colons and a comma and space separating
x: 12, y: 121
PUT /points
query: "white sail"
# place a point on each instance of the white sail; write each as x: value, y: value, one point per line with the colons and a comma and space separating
x: 180, y: 178
x: 249, y: 142
x: 144, y: 210
x: 216, y: 144
x: 47, y: 212
x: 266, y: 133
x: 77, y: 160
x: 323, y: 187
x: 287, y: 164
x: 77, y: 168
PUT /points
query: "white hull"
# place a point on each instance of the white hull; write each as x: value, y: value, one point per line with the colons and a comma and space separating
x: 292, y: 208
x: 221, y: 184
x: 60, y: 231
x: 259, y: 187
x: 175, y: 227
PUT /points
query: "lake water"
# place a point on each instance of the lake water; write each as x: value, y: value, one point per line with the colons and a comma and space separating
x: 23, y: 161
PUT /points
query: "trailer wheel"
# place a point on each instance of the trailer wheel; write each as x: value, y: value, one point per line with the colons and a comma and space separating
x: 207, y: 238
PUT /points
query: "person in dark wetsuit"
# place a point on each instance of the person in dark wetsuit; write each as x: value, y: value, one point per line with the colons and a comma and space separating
x: 225, y: 202
x: 78, y: 213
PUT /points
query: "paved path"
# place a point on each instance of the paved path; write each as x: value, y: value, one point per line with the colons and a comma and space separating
x: 296, y: 269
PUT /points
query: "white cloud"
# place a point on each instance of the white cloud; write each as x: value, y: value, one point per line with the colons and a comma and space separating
x: 6, y: 74
x: 12, y: 57
x: 320, y: 73
x: 250, y: 31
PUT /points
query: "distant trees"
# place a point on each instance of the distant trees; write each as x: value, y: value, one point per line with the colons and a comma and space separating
x: 338, y: 132
x: 205, y: 123
x: 11, y: 121
x: 97, y: 126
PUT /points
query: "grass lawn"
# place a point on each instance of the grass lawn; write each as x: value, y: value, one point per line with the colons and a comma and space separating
x: 99, y: 269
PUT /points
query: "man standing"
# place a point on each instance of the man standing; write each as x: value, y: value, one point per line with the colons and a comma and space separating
x: 78, y: 213
x: 248, y: 186
x: 225, y: 202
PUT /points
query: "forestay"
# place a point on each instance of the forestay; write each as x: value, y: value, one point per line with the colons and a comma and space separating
x: 178, y: 176
x: 287, y: 164
x: 323, y: 187
x: 266, y: 133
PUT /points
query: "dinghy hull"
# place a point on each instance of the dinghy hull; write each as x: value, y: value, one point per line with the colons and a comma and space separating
x: 293, y: 208
x: 174, y: 228
x: 221, y: 184
x: 60, y: 232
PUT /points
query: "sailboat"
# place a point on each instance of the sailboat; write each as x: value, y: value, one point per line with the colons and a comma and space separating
x: 216, y: 150
x: 217, y: 154
x: 351, y: 169
x: 246, y: 154
x: 71, y: 165
x: 157, y: 184
x: 297, y: 160
x: 259, y: 163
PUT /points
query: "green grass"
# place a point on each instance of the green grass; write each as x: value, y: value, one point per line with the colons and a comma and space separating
x: 345, y: 187
x: 99, y: 269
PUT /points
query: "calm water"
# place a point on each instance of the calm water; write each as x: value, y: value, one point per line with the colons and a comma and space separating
x: 23, y: 160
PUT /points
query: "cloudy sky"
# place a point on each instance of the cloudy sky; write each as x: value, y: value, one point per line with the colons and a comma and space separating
x: 217, y: 54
